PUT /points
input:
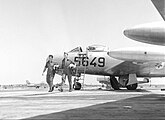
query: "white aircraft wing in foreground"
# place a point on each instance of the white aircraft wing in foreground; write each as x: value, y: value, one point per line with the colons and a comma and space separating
x: 152, y: 33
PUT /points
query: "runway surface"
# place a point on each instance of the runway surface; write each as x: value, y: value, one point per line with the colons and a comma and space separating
x: 85, y: 104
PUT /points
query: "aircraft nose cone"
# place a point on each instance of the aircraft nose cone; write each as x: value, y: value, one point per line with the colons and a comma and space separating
x: 131, y: 32
x: 127, y: 32
x: 137, y: 33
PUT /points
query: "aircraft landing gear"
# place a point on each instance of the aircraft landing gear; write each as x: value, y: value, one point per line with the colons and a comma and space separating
x: 114, y: 83
x: 132, y: 86
x: 129, y: 81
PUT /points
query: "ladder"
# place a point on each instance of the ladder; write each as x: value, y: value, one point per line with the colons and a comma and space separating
x: 81, y: 56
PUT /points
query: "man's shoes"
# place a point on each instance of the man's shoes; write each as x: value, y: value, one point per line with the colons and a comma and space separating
x: 50, y: 91
x: 70, y: 90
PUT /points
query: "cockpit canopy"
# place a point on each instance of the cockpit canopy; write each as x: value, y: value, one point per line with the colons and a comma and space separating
x: 77, y: 49
x: 92, y: 48
x: 97, y: 48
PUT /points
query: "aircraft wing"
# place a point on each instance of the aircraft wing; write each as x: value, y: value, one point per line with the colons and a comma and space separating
x: 160, y: 6
x: 130, y: 67
x: 140, y: 61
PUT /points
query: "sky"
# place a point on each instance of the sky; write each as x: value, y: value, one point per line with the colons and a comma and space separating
x: 30, y: 30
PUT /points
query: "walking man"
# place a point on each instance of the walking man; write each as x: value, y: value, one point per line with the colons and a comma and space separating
x: 50, y: 66
x: 67, y: 66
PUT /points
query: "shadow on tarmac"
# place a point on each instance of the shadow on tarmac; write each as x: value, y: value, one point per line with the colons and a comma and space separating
x: 143, y: 107
x: 125, y: 90
x: 121, y: 90
x: 137, y: 90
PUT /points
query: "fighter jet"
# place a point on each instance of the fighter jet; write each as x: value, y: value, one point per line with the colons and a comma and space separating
x: 152, y: 33
x: 33, y: 84
x: 123, y: 66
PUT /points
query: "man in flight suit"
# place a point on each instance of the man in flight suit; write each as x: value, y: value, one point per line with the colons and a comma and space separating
x: 67, y: 66
x: 50, y: 66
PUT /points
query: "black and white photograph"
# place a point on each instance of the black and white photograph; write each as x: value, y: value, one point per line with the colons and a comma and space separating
x: 82, y: 59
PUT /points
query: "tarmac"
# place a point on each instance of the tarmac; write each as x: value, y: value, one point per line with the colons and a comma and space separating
x: 90, y: 103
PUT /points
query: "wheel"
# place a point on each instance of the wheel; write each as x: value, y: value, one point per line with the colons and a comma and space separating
x: 77, y: 86
x: 114, y: 83
x: 132, y: 87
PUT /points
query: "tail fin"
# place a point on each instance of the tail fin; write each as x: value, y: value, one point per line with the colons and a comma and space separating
x: 160, y: 6
x: 27, y: 82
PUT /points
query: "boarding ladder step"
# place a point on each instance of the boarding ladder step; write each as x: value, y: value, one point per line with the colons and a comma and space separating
x: 82, y: 56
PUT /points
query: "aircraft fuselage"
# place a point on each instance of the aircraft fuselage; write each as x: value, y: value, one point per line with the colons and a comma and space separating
x: 101, y: 63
